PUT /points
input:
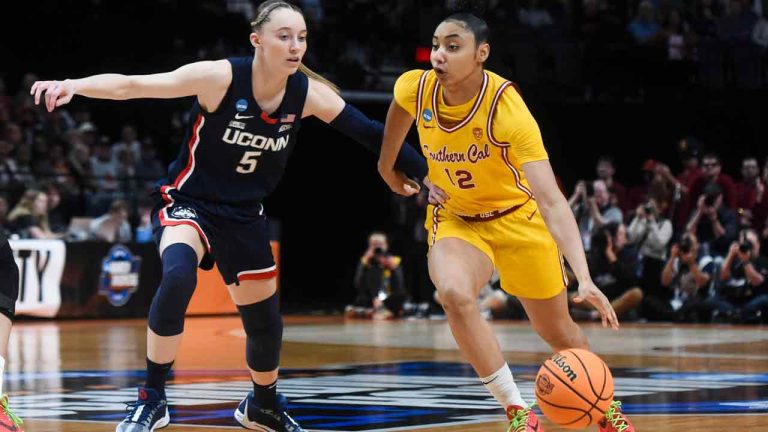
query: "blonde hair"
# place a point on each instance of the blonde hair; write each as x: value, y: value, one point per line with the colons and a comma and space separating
x: 26, y: 206
x: 262, y: 17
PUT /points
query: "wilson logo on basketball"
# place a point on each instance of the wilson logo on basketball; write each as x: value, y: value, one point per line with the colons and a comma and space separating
x: 560, y: 362
x: 543, y: 385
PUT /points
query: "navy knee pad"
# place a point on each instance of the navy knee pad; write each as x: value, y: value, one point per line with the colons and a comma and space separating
x: 264, y: 330
x: 9, y: 280
x: 166, y: 315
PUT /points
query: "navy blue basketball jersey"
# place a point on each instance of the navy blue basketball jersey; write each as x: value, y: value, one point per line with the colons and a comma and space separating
x: 236, y: 155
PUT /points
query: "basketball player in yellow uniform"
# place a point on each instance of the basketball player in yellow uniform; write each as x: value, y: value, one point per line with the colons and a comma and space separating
x: 497, y: 205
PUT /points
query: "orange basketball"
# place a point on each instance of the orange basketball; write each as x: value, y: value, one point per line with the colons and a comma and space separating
x: 574, y: 388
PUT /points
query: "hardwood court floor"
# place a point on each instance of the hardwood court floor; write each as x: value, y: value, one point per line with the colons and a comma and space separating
x: 74, y: 375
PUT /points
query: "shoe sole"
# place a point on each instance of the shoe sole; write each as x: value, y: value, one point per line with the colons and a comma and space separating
x: 240, y: 417
x: 163, y: 422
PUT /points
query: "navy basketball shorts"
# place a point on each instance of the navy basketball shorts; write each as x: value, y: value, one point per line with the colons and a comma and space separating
x: 238, y: 244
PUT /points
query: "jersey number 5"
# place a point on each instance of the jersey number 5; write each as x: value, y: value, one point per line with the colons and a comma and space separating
x: 463, y: 179
x: 248, y: 162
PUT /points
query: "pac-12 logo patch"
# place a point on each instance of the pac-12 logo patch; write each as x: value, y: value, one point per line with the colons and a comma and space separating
x: 241, y: 105
x: 183, y: 213
x: 427, y: 115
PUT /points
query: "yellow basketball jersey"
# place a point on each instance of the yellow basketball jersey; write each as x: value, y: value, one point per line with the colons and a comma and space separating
x: 475, y: 150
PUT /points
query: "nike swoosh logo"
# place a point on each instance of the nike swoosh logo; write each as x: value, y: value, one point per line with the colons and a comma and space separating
x: 239, y: 117
x: 531, y: 216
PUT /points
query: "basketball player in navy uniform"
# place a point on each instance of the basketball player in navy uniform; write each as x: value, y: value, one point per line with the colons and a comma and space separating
x: 243, y: 126
x: 9, y: 292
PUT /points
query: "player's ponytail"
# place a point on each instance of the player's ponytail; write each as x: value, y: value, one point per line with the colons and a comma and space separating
x: 262, y: 17
x: 317, y: 77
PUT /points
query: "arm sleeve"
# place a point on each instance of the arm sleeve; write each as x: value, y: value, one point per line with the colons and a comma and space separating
x: 514, y: 124
x: 370, y: 133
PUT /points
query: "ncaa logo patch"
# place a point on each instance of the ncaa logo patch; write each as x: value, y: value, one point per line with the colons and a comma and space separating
x: 183, y: 213
x: 241, y: 105
x: 119, y: 275
x: 427, y: 115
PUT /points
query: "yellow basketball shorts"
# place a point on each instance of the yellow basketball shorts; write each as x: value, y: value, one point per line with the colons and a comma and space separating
x: 518, y: 244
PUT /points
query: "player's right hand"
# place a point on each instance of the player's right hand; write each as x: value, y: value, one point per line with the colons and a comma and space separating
x: 400, y: 183
x: 57, y: 93
x: 590, y: 292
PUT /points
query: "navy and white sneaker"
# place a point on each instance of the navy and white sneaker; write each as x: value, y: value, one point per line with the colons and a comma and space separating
x: 252, y: 417
x: 148, y: 413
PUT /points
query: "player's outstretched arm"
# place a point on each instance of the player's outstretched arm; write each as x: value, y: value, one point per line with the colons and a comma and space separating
x: 203, y: 79
x: 325, y: 104
x: 559, y: 218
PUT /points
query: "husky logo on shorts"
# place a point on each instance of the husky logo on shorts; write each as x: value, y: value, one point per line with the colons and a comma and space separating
x: 183, y: 213
x: 119, y: 275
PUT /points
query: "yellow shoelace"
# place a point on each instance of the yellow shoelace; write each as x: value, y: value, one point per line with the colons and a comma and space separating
x: 616, y: 418
x: 520, y: 420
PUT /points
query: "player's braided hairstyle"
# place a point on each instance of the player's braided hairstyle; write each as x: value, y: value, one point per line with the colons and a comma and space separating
x: 263, y: 14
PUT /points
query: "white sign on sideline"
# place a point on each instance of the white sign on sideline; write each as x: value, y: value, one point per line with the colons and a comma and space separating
x: 41, y: 264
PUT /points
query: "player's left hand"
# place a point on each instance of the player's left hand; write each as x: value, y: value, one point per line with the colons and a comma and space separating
x: 437, y: 196
x: 591, y: 293
x: 400, y: 183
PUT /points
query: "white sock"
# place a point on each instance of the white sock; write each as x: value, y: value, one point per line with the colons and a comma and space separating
x: 502, y: 386
x: 2, y: 373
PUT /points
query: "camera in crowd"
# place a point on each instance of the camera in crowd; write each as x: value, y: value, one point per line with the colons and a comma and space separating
x: 589, y: 187
x: 745, y: 246
x: 709, y: 200
x: 711, y: 193
x: 686, y: 244
x: 378, y: 252
x: 649, y: 208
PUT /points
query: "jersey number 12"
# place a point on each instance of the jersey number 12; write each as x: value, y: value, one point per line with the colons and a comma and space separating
x: 463, y: 179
